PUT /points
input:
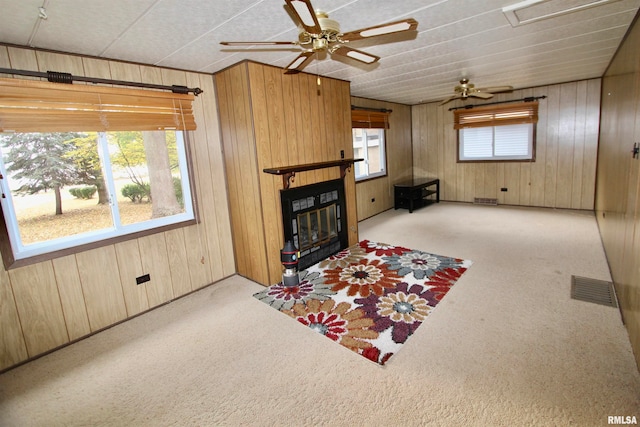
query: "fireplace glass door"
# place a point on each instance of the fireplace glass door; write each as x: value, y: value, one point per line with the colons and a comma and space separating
x: 316, y: 226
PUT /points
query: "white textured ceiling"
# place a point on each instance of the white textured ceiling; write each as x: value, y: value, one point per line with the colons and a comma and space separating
x: 455, y: 38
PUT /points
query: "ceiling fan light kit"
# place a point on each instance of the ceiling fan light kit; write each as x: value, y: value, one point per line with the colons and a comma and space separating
x: 330, y: 27
x: 319, y: 33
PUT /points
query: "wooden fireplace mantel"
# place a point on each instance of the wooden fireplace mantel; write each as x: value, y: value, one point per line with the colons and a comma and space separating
x: 289, y: 172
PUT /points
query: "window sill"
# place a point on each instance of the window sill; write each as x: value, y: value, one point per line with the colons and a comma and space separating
x: 498, y: 161
x: 10, y: 262
x: 371, y: 178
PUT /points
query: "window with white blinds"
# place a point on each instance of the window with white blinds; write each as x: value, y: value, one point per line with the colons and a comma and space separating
x: 511, y: 142
x: 497, y: 133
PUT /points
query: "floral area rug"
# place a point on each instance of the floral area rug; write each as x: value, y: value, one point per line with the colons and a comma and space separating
x: 370, y: 297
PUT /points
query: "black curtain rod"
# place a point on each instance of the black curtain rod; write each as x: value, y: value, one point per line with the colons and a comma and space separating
x: 380, y: 110
x: 57, y: 77
x: 527, y: 99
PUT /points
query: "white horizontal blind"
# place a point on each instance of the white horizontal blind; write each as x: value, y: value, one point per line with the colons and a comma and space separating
x: 476, y: 143
x: 513, y: 141
x: 510, y: 142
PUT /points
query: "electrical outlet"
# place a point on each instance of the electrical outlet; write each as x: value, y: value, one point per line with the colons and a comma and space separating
x: 373, y: 199
x: 142, y: 279
x: 342, y: 154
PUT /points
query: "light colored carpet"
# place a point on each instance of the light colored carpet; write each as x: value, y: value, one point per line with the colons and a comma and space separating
x: 505, y: 347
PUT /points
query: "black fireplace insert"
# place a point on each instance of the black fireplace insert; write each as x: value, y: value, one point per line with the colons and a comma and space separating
x: 315, y: 220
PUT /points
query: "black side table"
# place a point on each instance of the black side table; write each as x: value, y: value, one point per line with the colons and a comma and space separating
x: 415, y: 193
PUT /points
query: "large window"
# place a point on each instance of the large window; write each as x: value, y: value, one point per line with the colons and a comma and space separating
x: 497, y: 133
x: 67, y: 189
x: 368, y: 144
x: 80, y: 164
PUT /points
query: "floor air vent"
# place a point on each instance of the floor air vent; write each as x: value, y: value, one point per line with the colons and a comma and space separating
x: 485, y: 201
x: 593, y: 290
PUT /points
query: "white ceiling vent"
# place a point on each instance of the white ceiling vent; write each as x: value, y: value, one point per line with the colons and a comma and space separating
x: 528, y: 11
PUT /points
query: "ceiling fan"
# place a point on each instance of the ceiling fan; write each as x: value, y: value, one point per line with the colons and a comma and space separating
x: 465, y: 89
x: 318, y: 33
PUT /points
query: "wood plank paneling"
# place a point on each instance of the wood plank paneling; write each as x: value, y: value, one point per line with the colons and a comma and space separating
x: 618, y: 179
x: 22, y: 59
x: 101, y: 287
x: 281, y: 153
x: 524, y: 183
x: 99, y: 68
x: 203, y: 262
x: 512, y: 175
x: 567, y: 121
x: 563, y: 174
x: 178, y: 262
x: 130, y: 267
x: 590, y: 156
x: 4, y: 61
x: 228, y: 133
x: 579, y: 145
x: 13, y: 348
x: 318, y: 99
x: 303, y: 123
x: 39, y: 307
x: 239, y: 133
x: 196, y: 255
x: 71, y: 297
x: 551, y: 144
x: 538, y: 168
x: 207, y: 138
x: 160, y: 287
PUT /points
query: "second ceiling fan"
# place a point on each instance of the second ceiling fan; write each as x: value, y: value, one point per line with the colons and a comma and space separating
x: 318, y: 33
x: 466, y: 89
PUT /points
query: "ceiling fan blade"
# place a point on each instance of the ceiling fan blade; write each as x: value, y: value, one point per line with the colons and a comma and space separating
x: 303, y: 10
x: 379, y: 30
x: 451, y: 98
x: 299, y: 63
x: 496, y: 89
x: 483, y: 95
x: 356, y: 54
x: 263, y: 43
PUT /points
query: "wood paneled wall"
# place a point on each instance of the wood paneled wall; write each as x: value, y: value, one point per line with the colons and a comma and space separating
x: 376, y: 195
x: 618, y: 177
x: 49, y: 304
x: 270, y: 119
x: 563, y: 174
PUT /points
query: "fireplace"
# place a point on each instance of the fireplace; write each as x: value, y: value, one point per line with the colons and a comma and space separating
x: 314, y: 219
